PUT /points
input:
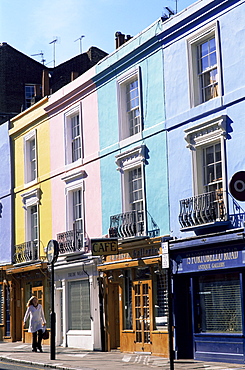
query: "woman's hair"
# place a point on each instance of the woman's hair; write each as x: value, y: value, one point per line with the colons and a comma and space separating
x: 30, y: 301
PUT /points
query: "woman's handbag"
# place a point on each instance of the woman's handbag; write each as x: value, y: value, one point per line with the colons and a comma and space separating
x: 45, y: 334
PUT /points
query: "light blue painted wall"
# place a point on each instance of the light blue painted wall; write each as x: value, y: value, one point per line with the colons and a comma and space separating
x: 153, y: 136
x: 5, y: 197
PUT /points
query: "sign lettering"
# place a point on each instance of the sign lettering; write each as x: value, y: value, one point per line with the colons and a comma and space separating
x: 104, y: 247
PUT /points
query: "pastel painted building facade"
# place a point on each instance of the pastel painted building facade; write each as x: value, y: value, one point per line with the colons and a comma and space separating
x: 28, y: 274
x: 6, y: 226
x: 204, y: 90
x: 76, y: 210
x: 134, y: 192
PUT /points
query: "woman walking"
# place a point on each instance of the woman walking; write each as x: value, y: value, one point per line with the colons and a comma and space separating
x: 37, y: 321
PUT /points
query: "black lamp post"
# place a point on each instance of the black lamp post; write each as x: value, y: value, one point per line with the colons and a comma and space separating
x: 52, y: 255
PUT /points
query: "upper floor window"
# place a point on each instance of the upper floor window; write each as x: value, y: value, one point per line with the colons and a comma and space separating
x: 31, y: 201
x: 30, y: 153
x: 29, y: 95
x: 133, y: 110
x: 129, y: 109
x: 31, y: 91
x: 209, y: 202
x: 207, y: 69
x: 212, y: 167
x: 73, y: 136
x: 131, y: 165
x: 207, y: 142
x: 204, y: 66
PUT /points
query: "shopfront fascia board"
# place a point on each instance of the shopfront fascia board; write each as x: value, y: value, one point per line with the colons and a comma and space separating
x: 19, y: 269
x: 129, y: 263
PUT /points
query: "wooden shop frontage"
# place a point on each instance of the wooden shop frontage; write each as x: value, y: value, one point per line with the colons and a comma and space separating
x: 135, y: 298
x: 20, y: 283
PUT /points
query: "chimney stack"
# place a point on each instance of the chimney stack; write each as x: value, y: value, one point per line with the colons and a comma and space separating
x: 120, y: 39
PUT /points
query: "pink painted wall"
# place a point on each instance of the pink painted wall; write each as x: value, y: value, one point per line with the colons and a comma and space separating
x: 80, y: 91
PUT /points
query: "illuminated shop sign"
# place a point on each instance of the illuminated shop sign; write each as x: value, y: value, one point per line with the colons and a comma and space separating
x: 209, y: 260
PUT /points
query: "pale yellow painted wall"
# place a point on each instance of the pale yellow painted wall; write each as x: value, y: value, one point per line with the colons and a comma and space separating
x: 35, y: 118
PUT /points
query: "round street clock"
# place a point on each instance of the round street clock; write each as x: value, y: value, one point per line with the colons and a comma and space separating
x: 52, y: 251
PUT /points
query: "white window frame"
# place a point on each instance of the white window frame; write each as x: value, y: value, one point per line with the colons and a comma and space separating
x: 74, y: 181
x: 193, y: 41
x: 75, y: 111
x: 122, y: 83
x: 200, y: 136
x: 30, y: 199
x: 127, y: 161
x: 32, y: 135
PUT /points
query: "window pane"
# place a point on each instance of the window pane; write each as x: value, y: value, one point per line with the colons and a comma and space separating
x: 128, y: 323
x: 75, y: 138
x: 204, y: 49
x: 219, y: 299
x: 212, y: 167
x: 208, y: 73
x: 34, y: 223
x: 212, y: 45
x: 132, y: 99
x: 212, y: 59
x: 79, y: 305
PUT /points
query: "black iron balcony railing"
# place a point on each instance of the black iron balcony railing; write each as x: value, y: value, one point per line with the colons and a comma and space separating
x: 26, y: 252
x: 70, y: 241
x: 202, y: 209
x: 128, y: 224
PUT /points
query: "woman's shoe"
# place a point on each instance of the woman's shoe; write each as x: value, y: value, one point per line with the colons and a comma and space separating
x: 34, y: 350
x: 40, y: 350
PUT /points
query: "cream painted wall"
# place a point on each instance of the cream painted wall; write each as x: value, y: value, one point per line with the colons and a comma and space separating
x: 34, y: 118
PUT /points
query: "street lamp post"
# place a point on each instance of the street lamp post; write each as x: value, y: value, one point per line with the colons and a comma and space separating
x: 52, y: 255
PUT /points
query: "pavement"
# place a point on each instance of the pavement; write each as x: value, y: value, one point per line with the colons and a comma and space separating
x: 74, y: 358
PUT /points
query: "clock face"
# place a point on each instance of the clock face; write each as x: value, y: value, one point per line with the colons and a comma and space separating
x: 52, y: 251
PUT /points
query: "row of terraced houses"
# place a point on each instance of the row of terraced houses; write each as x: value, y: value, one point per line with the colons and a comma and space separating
x: 145, y: 146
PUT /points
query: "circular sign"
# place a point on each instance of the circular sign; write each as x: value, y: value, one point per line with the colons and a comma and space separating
x: 237, y: 185
x: 52, y: 251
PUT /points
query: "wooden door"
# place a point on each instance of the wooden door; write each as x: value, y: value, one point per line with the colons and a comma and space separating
x: 113, y: 311
x: 142, y: 303
x: 38, y: 292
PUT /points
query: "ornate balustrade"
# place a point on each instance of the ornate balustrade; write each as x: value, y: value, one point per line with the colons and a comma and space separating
x: 26, y: 252
x: 70, y: 242
x: 202, y: 209
x: 126, y: 225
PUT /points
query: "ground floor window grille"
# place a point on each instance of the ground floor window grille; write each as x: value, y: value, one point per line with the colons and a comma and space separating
x: 161, y: 301
x: 79, y: 305
x: 219, y: 304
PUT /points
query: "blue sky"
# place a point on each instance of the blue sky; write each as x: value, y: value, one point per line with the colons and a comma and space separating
x: 30, y: 26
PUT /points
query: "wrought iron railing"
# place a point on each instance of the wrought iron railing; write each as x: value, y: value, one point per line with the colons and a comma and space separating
x: 26, y: 252
x: 128, y: 224
x: 236, y: 213
x: 71, y: 241
x: 202, y: 209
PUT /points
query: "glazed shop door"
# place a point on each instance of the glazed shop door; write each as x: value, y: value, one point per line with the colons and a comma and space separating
x: 38, y: 292
x: 142, y: 315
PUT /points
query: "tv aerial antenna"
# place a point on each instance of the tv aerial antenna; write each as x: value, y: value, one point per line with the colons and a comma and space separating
x: 176, y: 6
x: 41, y: 53
x: 55, y: 40
x: 80, y: 43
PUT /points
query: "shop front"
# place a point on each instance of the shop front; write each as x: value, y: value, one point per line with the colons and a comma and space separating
x: 77, y: 302
x: 208, y: 277
x: 20, y: 283
x: 135, y: 298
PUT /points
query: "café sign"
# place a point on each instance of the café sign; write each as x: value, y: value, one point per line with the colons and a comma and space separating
x: 104, y: 246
